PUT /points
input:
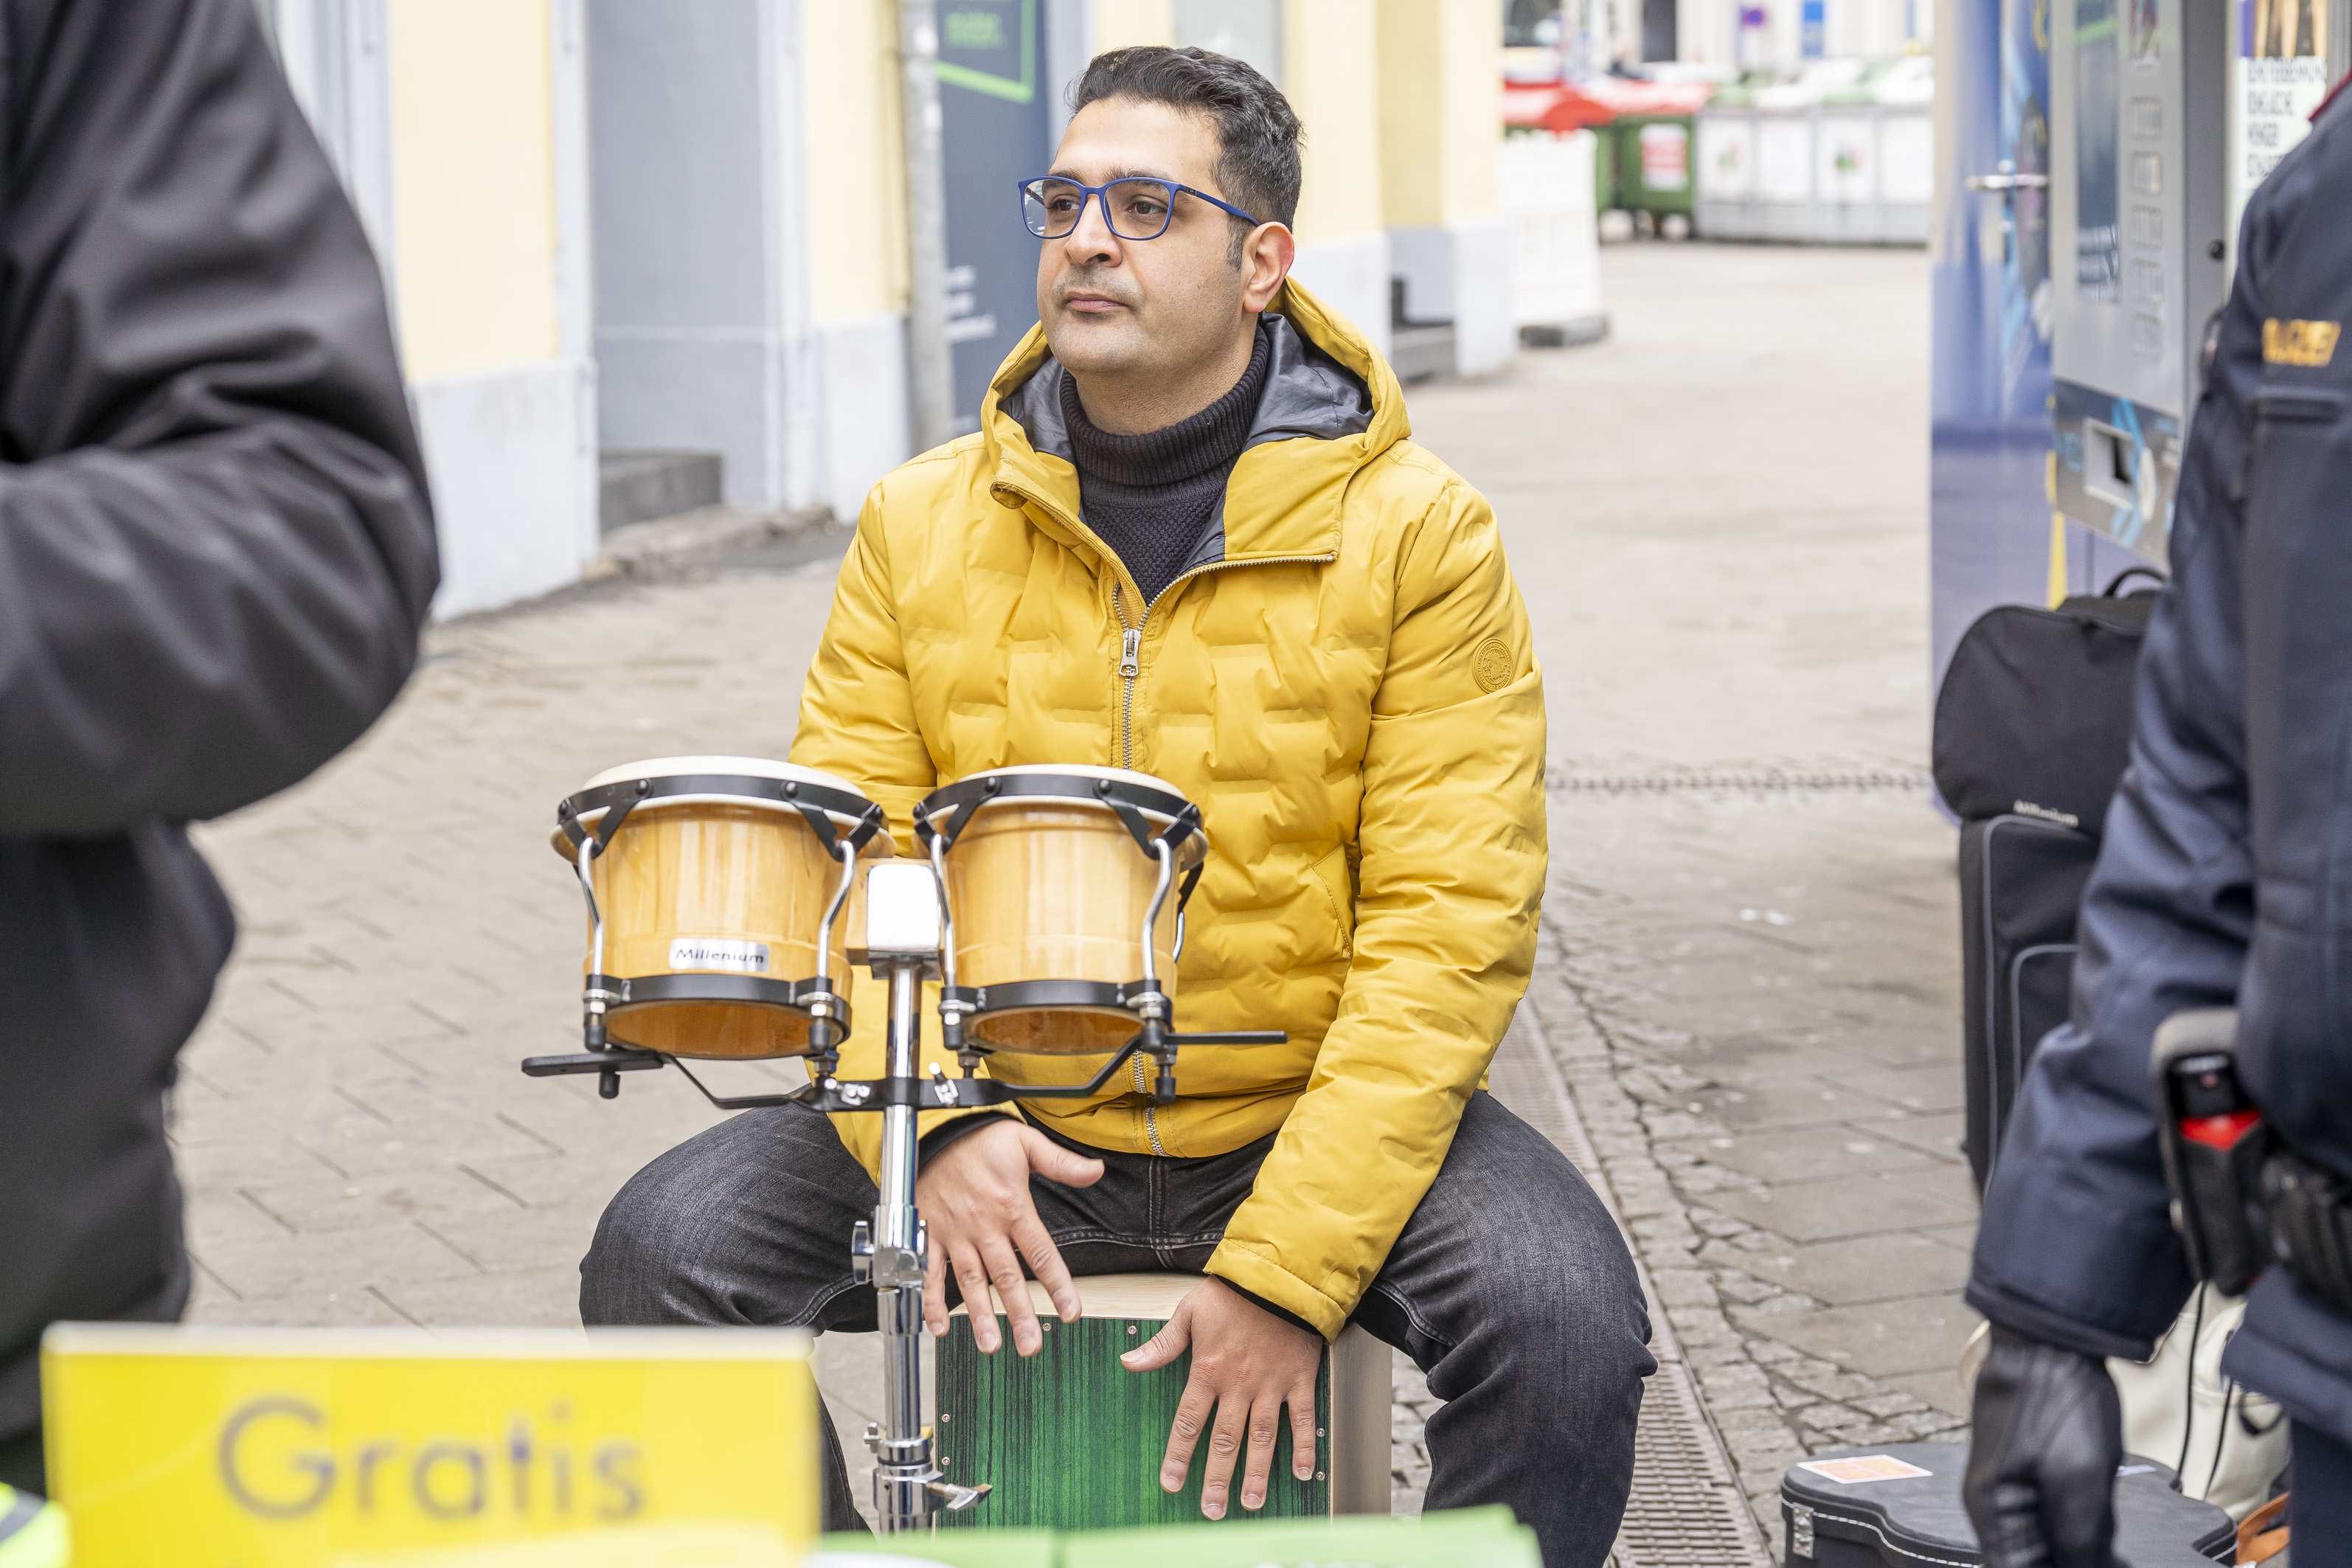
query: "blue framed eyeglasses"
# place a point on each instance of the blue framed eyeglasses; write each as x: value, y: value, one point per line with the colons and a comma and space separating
x: 1136, y: 207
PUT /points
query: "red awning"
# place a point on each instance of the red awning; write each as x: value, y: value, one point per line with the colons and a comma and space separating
x: 1627, y: 95
x: 1552, y: 106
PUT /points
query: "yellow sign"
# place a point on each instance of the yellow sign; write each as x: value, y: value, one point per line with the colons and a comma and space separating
x: 2311, y: 343
x: 294, y: 1448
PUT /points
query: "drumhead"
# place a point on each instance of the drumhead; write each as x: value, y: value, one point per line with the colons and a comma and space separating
x: 1140, y: 789
x: 660, y: 768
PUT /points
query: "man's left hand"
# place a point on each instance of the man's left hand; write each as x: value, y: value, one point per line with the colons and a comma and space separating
x: 1248, y: 1365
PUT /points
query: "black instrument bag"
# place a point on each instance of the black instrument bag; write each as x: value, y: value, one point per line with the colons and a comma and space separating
x: 2032, y: 731
x: 2020, y: 882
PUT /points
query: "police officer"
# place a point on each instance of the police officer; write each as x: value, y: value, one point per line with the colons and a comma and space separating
x: 2225, y: 879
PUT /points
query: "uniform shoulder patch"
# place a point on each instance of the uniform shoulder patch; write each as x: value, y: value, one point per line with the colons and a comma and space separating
x: 2308, y: 343
x: 1492, y: 664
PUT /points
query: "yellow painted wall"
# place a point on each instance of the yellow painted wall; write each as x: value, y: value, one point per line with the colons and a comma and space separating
x: 473, y: 178
x: 850, y: 95
x: 1119, y: 23
x: 1331, y: 63
x: 1441, y: 109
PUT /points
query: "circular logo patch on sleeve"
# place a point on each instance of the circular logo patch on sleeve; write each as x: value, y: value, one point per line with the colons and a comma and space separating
x: 1492, y: 664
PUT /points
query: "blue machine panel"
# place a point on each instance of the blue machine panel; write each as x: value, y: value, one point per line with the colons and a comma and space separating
x: 1990, y: 514
x: 2118, y: 461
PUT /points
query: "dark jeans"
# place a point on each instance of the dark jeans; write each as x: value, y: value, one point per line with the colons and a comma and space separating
x: 1510, y: 1288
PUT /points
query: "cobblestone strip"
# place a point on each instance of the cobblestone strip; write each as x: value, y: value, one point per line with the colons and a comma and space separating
x: 1409, y: 1439
x: 1773, y: 1404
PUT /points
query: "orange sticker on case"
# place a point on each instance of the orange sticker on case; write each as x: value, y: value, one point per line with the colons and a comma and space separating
x: 1864, y: 1467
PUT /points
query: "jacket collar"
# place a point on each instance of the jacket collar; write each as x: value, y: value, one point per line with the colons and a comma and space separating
x: 1331, y: 404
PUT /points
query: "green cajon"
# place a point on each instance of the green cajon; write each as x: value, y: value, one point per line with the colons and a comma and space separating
x: 1069, y: 1439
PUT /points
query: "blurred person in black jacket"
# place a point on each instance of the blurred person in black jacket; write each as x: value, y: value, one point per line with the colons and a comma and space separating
x: 215, y: 552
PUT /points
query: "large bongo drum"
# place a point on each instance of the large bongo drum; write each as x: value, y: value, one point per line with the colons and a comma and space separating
x: 709, y: 881
x: 1051, y: 874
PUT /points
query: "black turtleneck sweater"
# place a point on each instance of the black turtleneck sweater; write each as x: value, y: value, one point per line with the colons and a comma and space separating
x: 1150, y: 497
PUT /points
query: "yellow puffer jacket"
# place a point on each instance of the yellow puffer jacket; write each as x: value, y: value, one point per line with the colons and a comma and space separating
x: 1342, y: 679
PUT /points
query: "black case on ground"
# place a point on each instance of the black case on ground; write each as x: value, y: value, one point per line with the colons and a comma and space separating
x: 2021, y: 883
x: 1919, y: 1519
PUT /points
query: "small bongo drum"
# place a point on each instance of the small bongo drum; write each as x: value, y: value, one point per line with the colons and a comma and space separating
x: 1052, y: 875
x: 709, y: 881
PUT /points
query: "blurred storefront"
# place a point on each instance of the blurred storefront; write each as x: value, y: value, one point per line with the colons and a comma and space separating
x: 461, y: 131
x: 1751, y: 33
x: 1596, y: 37
x: 1842, y: 154
x: 673, y: 235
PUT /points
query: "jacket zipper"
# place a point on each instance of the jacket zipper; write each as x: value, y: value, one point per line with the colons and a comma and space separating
x: 1130, y: 670
x: 1130, y: 642
x: 1131, y: 667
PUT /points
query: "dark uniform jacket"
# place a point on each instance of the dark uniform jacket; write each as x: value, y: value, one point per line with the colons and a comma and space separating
x: 216, y: 551
x: 2226, y: 873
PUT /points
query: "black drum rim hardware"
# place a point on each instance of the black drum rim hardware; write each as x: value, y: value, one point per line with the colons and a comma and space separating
x: 979, y: 1001
x: 1021, y: 995
x: 830, y: 813
x: 718, y: 987
x: 945, y: 812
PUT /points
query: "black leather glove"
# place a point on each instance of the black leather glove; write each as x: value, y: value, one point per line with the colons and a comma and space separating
x: 2049, y: 1434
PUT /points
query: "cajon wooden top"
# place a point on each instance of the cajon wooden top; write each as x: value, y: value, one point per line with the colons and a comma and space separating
x: 1148, y: 1297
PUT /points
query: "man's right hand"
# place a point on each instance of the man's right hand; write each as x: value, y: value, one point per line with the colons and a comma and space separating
x: 975, y: 1200
x: 2048, y: 1436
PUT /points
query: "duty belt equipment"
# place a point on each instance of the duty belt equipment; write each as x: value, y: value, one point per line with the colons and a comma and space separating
x: 2242, y: 1200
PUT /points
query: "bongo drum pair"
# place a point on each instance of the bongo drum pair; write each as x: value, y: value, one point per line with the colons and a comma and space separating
x: 716, y: 888
x: 1050, y: 911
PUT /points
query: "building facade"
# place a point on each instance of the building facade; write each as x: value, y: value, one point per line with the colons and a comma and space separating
x: 678, y: 225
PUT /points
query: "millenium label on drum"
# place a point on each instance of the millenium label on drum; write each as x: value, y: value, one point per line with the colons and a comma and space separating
x: 718, y: 953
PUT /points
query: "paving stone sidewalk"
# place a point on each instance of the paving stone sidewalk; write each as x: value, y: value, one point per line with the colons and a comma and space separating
x: 1753, y: 988
x: 1753, y: 999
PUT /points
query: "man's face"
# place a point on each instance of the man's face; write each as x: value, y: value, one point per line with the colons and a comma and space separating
x: 1128, y: 307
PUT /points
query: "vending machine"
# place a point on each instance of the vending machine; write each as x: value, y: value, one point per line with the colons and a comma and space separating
x: 2093, y: 159
x: 2140, y: 216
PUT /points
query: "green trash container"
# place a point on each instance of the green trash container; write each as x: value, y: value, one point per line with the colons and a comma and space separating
x: 1604, y: 167
x: 1653, y: 166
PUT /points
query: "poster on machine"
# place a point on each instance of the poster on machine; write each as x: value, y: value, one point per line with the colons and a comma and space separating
x: 2282, y: 66
x: 2099, y: 227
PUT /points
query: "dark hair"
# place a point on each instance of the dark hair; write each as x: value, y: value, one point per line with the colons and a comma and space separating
x: 1257, y: 131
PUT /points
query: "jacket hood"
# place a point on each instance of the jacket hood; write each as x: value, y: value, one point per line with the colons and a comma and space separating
x: 1331, y: 406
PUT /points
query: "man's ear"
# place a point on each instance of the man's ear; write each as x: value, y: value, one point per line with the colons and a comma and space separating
x: 1267, y: 256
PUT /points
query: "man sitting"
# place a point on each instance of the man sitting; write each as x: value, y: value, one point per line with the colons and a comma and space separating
x: 1191, y: 538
